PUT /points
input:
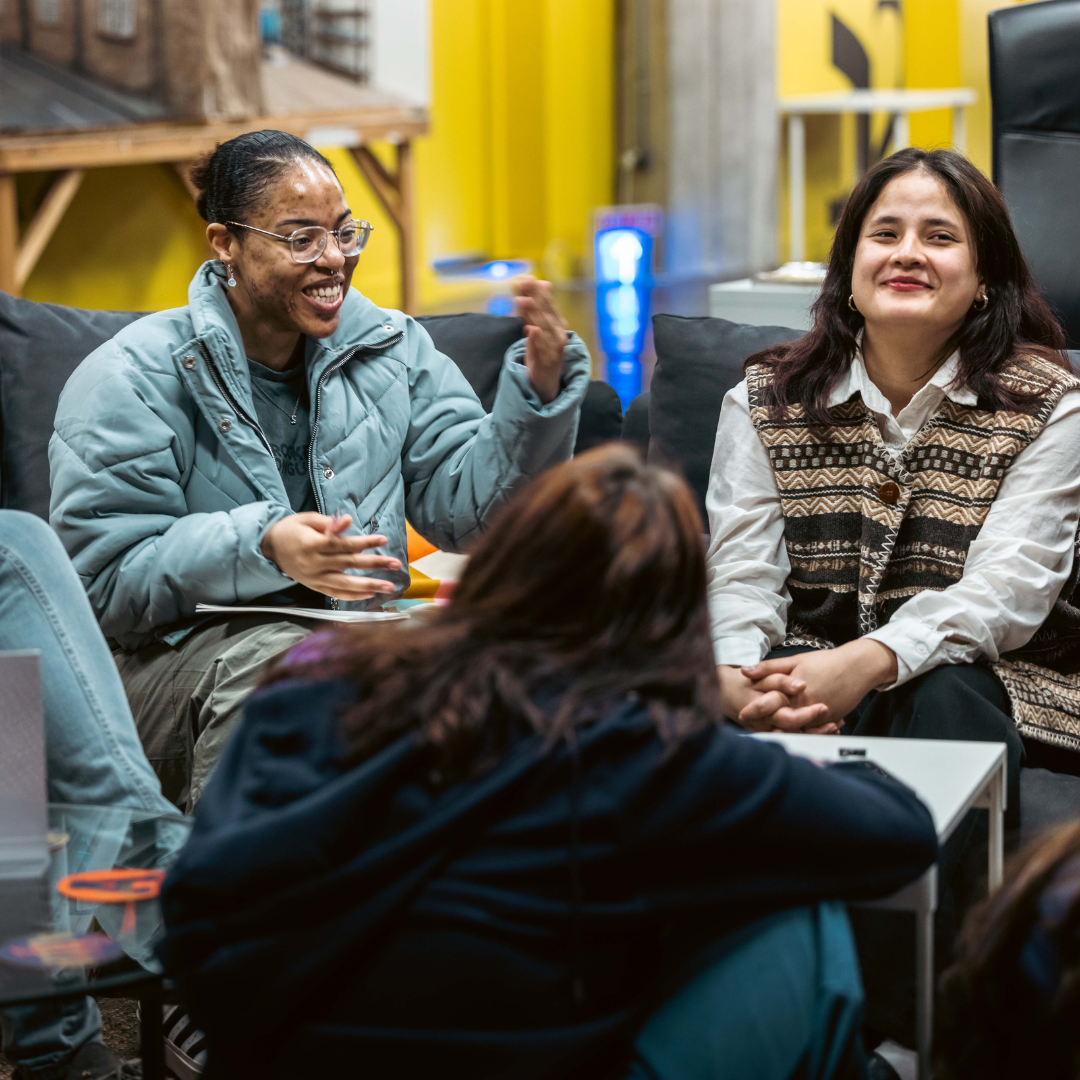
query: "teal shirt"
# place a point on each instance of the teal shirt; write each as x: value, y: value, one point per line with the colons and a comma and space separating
x: 281, y: 404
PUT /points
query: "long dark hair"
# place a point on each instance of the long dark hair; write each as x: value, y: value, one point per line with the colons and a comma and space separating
x: 1016, y: 319
x: 589, y: 585
x: 1010, y: 1003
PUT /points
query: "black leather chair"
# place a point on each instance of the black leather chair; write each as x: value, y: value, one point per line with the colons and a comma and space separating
x: 1035, y: 90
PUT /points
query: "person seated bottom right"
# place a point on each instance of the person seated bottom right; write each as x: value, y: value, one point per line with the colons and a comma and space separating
x: 1010, y: 1003
x: 894, y: 497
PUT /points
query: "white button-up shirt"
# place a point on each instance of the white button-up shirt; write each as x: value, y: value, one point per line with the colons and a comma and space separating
x: 1015, y: 567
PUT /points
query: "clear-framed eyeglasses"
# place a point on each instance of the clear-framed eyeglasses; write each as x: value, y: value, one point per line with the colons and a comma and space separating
x: 308, y: 244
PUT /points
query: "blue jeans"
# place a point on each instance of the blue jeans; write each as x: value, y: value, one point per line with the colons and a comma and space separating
x: 778, y: 1000
x: 93, y: 752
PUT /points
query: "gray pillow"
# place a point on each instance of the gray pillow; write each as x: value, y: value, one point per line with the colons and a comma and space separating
x: 477, y: 343
x: 40, y: 346
x: 697, y: 362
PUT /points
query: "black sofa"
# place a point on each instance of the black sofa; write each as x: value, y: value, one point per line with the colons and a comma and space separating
x: 698, y: 361
x: 42, y: 344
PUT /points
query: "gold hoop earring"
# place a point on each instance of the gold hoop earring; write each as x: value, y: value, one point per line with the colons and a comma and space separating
x: 232, y: 277
x: 983, y: 305
x: 851, y: 303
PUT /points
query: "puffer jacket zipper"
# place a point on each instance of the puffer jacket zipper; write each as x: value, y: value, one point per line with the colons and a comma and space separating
x: 316, y: 416
x: 219, y: 382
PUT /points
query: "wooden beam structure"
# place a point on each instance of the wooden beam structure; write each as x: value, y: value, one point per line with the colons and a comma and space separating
x: 183, y: 170
x: 176, y: 145
x: 45, y: 222
x: 394, y: 190
x: 9, y: 232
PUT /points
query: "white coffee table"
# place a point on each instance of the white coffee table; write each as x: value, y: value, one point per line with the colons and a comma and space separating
x: 951, y: 778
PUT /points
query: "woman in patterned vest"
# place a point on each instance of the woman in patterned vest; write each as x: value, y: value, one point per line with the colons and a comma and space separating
x: 894, y: 497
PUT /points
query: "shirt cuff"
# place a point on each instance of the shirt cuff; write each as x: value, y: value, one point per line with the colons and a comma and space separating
x: 914, y: 645
x: 740, y: 651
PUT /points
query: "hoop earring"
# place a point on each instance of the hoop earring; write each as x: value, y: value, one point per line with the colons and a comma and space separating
x: 232, y: 277
x: 981, y: 306
x: 851, y: 303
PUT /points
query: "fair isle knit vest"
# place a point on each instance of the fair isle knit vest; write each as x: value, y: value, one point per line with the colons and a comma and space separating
x: 865, y: 530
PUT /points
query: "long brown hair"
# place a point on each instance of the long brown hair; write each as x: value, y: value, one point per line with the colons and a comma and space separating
x: 589, y: 585
x: 1016, y: 318
x: 1010, y: 1005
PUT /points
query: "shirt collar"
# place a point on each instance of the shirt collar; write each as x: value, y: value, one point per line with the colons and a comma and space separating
x: 857, y: 379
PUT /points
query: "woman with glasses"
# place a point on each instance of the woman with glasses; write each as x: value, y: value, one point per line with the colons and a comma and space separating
x: 264, y: 445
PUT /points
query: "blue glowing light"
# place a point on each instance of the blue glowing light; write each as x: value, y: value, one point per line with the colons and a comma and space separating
x: 623, y: 288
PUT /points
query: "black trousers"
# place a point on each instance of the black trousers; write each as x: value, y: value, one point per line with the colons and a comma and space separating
x: 954, y: 701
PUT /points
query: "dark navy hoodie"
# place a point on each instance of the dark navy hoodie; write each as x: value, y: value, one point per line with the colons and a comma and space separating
x: 513, y: 925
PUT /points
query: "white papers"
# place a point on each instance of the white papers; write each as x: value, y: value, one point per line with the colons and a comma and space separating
x: 442, y: 565
x: 324, y: 614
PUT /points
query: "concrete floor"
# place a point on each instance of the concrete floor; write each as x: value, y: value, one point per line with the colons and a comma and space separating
x: 120, y: 1027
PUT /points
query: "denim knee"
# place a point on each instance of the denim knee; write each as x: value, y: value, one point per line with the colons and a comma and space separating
x: 29, y: 537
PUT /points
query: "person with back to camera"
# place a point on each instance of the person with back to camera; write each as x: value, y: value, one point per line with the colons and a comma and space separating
x: 1010, y: 1005
x: 894, y: 497
x: 264, y: 444
x: 480, y: 846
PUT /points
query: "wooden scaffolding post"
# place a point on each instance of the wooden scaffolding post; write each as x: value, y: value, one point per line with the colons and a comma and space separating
x: 395, y: 193
x: 9, y: 232
x: 46, y: 221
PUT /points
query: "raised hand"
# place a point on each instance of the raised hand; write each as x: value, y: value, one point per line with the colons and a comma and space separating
x: 311, y: 549
x: 546, y: 334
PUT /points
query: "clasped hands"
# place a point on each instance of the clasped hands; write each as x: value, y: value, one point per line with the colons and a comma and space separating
x: 809, y: 692
x: 311, y: 549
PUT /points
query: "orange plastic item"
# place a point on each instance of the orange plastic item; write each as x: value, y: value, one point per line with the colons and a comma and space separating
x: 112, y: 886
x: 418, y: 546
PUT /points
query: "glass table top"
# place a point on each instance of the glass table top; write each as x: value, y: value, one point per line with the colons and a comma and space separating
x: 85, y: 899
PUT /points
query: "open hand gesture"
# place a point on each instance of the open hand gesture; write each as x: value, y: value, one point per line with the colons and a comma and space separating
x: 311, y: 548
x: 546, y: 334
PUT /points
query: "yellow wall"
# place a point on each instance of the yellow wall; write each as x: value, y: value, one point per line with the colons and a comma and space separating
x: 520, y: 151
x: 940, y: 43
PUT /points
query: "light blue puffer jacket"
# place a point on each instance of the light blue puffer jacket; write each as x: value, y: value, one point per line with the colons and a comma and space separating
x: 163, y: 485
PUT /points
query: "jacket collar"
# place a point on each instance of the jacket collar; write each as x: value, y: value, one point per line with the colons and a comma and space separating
x: 361, y: 323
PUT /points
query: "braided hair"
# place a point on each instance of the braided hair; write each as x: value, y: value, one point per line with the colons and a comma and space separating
x: 234, y: 178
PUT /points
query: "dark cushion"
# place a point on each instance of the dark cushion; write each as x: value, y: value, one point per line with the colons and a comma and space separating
x: 477, y: 343
x: 40, y: 346
x: 601, y: 417
x: 635, y: 422
x: 1047, y: 799
x: 697, y: 362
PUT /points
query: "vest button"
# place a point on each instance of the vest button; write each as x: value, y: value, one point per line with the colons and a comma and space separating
x: 328, y: 473
x: 889, y: 493
x: 225, y: 426
x: 189, y: 361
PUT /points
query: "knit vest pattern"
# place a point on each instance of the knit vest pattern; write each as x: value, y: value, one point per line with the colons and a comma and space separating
x: 865, y: 531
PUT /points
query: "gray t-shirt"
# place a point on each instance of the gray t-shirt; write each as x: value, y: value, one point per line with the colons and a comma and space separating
x: 281, y: 396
